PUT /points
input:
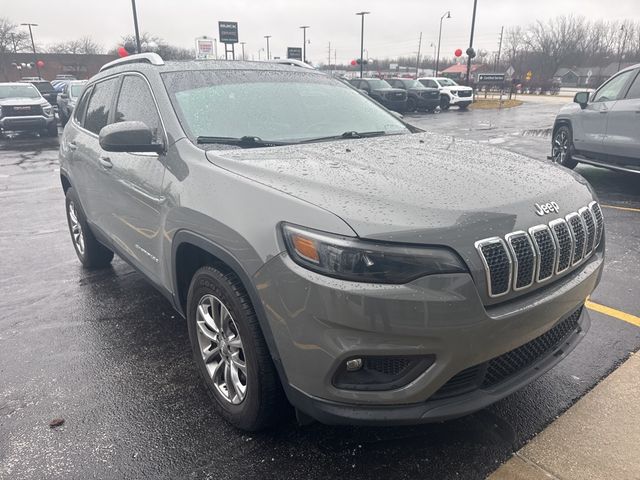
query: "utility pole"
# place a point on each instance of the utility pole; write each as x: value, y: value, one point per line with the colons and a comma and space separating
x: 470, y: 49
x: 243, y: 44
x: 135, y: 26
x: 215, y: 47
x: 447, y: 15
x: 329, y: 58
x: 622, y: 42
x: 304, y: 42
x: 418, y: 58
x: 268, y: 54
x: 33, y: 45
x: 499, y: 49
x: 362, y: 14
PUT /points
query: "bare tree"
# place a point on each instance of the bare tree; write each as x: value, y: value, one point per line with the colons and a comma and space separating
x: 84, y: 45
x: 12, y: 39
x: 153, y: 43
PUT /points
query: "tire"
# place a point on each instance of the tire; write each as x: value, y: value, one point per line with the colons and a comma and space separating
x: 562, y: 147
x: 90, y: 252
x: 431, y: 109
x: 463, y: 106
x: 52, y: 129
x: 412, y: 104
x: 444, y: 103
x: 257, y: 400
x: 63, y: 117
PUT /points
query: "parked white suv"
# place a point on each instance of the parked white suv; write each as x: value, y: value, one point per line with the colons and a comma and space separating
x: 450, y: 92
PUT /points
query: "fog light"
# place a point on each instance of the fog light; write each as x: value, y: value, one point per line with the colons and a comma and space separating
x: 354, y: 364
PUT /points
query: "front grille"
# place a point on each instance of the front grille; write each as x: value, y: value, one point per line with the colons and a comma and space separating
x: 542, y: 253
x: 503, y: 367
x: 510, y: 363
x: 21, y: 111
x: 497, y: 264
x: 464, y: 93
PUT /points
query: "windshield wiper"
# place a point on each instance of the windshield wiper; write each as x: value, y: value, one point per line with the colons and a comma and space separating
x: 348, y: 134
x: 248, y: 141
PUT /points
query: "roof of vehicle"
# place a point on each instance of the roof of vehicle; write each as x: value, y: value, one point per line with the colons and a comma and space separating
x: 4, y: 84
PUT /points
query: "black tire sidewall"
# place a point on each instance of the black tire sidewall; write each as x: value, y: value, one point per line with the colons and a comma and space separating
x: 445, y: 102
x: 412, y: 104
x: 208, y: 280
x: 568, y: 162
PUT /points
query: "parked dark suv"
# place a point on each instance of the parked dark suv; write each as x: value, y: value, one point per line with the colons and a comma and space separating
x: 48, y: 92
x: 419, y: 97
x: 322, y: 250
x: 392, y: 98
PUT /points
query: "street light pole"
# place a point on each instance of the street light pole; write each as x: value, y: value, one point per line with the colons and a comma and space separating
x: 135, y: 26
x: 268, y: 54
x: 304, y: 42
x: 621, y: 46
x: 362, y: 14
x: 447, y: 15
x: 473, y: 26
x: 33, y: 45
x: 418, y: 57
x: 243, y: 44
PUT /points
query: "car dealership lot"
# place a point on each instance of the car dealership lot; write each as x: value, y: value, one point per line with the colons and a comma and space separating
x: 106, y: 352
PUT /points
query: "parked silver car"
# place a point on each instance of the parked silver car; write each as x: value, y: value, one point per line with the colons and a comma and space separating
x: 602, y: 128
x: 323, y: 251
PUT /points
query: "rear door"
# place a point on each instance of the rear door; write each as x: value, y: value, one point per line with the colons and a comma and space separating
x: 590, y: 127
x: 622, y: 140
x: 133, y: 212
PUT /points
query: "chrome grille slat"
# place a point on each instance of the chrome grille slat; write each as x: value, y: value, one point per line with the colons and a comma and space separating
x: 564, y: 242
x: 524, y: 259
x: 546, y: 251
x: 497, y: 264
x: 543, y: 252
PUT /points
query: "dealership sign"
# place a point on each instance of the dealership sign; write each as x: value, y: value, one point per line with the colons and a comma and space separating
x: 491, y: 77
x: 294, y: 53
x: 204, y: 48
x: 228, y: 32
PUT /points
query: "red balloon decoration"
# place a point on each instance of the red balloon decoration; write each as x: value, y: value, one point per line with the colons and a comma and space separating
x: 353, y: 62
x: 458, y: 52
x: 122, y: 52
x: 40, y: 63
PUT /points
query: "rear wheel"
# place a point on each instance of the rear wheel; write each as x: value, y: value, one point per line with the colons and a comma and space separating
x: 562, y: 147
x: 230, y: 352
x: 444, y: 102
x: 91, y: 253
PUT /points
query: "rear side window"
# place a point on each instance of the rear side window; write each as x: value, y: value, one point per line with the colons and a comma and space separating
x: 81, y: 109
x: 634, y: 91
x: 100, y: 103
x: 136, y: 103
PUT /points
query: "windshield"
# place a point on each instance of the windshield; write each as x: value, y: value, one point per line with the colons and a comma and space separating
x: 377, y: 84
x: 280, y: 106
x: 413, y: 84
x: 446, y: 82
x: 18, y: 91
x: 44, y: 87
x: 75, y: 90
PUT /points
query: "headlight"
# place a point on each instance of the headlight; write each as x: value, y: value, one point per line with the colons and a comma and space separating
x: 47, y: 110
x: 354, y: 259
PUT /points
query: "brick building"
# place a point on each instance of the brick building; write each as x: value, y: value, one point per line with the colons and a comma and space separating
x: 80, y: 66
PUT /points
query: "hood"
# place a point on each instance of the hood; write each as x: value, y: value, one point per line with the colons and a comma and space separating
x: 22, y: 101
x: 421, y: 188
x: 389, y: 90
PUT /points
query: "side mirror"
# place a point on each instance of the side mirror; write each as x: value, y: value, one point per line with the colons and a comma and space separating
x: 363, y: 91
x: 128, y: 137
x: 64, y: 96
x: 581, y: 98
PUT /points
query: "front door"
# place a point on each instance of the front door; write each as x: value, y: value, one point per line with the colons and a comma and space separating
x: 622, y: 140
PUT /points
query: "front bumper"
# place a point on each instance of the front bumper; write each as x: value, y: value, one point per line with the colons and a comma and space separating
x: 456, y: 100
x: 395, y: 105
x: 26, y: 123
x: 428, y: 102
x: 318, y: 322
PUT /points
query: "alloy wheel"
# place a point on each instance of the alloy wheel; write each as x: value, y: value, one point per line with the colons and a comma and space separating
x: 76, y: 229
x: 560, y: 147
x: 221, y: 349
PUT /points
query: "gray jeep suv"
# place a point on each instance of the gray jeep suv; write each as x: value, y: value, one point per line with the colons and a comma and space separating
x: 324, y: 253
x: 602, y: 128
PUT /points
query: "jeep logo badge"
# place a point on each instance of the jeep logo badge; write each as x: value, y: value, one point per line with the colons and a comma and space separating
x: 546, y: 208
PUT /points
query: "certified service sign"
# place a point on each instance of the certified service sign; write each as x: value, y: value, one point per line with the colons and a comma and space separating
x: 228, y: 32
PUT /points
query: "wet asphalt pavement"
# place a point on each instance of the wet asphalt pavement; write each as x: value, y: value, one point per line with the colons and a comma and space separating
x: 106, y: 352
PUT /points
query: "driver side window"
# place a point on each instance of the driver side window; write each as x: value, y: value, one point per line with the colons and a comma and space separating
x: 613, y: 89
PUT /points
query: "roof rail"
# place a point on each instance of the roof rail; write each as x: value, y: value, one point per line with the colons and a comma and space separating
x: 291, y: 61
x: 149, y: 57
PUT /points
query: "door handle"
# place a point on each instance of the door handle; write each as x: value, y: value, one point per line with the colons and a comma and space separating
x: 72, y: 145
x: 106, y: 162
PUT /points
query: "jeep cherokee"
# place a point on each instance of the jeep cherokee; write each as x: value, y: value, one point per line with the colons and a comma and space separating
x: 323, y: 252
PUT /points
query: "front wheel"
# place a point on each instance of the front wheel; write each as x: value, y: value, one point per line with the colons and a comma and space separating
x: 412, y: 104
x: 52, y: 130
x: 230, y: 352
x: 562, y: 147
x: 445, y: 103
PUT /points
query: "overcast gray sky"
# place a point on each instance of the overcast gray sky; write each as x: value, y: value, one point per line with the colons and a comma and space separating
x: 392, y: 28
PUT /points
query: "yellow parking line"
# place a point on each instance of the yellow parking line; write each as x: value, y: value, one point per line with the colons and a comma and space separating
x: 612, y: 312
x: 628, y: 209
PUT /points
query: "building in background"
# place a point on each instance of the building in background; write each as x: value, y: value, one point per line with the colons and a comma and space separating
x: 80, y: 66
